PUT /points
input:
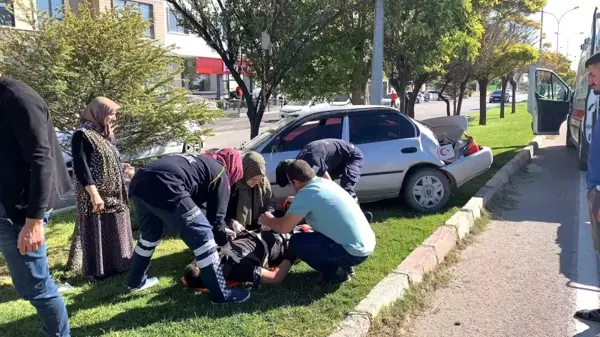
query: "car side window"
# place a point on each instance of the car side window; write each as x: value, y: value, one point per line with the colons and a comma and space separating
x: 297, y: 138
x: 378, y: 127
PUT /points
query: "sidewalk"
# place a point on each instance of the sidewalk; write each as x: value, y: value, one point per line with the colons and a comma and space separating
x: 533, y: 266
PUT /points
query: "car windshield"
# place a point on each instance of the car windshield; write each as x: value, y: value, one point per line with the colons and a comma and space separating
x: 387, y: 96
x: 264, y: 137
x: 339, y: 99
x: 297, y: 103
x: 497, y: 92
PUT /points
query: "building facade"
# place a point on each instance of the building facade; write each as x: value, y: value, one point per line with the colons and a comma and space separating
x: 204, y: 72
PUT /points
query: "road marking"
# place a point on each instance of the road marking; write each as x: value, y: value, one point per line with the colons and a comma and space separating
x: 586, y: 283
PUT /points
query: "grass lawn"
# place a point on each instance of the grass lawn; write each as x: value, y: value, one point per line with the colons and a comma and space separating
x: 299, y: 307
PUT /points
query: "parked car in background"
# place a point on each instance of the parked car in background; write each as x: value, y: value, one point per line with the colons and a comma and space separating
x: 420, y: 97
x: 432, y: 95
x: 496, y: 96
x: 341, y: 100
x: 402, y: 156
x: 301, y: 106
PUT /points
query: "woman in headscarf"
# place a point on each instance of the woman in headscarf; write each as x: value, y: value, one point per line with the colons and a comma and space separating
x: 102, y: 204
x: 251, y: 196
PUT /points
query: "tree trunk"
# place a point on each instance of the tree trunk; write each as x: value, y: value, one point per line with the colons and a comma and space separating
x: 443, y: 98
x: 358, y: 94
x: 503, y: 97
x: 75, y: 260
x: 401, y: 91
x: 255, y: 117
x: 513, y: 85
x: 463, y: 88
x: 483, y: 83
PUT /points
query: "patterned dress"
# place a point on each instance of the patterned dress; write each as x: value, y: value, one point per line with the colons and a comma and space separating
x: 106, y: 237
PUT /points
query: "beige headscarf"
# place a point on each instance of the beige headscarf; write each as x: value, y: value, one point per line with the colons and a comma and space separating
x: 95, y: 115
x: 248, y: 211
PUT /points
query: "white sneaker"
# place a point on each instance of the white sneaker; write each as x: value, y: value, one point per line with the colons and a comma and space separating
x: 150, y: 282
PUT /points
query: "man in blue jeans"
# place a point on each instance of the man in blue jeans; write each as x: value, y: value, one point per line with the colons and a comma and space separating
x: 342, y: 237
x: 33, y: 177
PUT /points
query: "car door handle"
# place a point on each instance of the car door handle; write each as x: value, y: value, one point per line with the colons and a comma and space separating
x: 409, y: 150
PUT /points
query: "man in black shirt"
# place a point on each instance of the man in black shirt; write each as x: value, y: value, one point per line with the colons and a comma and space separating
x: 168, y: 191
x: 331, y: 159
x: 256, y: 257
x: 33, y: 178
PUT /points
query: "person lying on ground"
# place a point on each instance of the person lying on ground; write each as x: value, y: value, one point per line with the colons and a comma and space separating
x: 342, y: 237
x: 250, y: 257
x: 331, y: 159
x: 166, y: 193
x: 252, y: 195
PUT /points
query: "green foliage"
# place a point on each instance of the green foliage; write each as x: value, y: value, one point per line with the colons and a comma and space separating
x: 233, y: 29
x: 561, y: 65
x: 421, y: 37
x: 84, y: 55
x: 341, y: 62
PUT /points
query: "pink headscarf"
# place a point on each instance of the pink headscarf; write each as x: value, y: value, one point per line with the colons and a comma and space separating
x: 95, y: 114
x: 233, y: 163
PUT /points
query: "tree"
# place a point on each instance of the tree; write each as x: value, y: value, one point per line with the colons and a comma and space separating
x: 72, y: 60
x: 508, y: 60
x: 561, y: 65
x: 421, y: 38
x: 506, y: 25
x: 236, y: 29
x: 341, y: 64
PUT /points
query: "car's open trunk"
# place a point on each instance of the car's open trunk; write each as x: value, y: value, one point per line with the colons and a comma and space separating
x: 449, y: 128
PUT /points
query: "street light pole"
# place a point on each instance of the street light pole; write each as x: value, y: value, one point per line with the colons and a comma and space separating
x: 377, y: 66
x: 558, y: 23
x: 541, y: 39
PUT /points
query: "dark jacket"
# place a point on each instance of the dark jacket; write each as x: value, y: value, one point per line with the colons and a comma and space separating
x: 33, y: 175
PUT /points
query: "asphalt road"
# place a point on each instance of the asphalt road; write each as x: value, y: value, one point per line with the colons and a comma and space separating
x: 532, y: 268
x: 231, y: 132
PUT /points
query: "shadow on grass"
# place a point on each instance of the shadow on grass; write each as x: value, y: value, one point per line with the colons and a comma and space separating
x: 175, y: 301
x: 393, y: 208
x: 8, y: 293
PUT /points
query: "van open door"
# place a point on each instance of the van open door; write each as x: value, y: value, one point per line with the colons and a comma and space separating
x: 549, y: 101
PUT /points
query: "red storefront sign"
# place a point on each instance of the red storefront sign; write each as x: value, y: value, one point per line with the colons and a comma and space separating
x: 209, y: 65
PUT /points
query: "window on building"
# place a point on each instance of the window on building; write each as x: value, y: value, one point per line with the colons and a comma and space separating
x: 146, y: 10
x: 6, y: 16
x: 173, y: 20
x: 52, y: 7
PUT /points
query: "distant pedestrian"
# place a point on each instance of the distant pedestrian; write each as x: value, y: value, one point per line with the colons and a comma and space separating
x: 593, y: 176
x: 394, y: 97
x: 33, y: 178
x: 102, y: 204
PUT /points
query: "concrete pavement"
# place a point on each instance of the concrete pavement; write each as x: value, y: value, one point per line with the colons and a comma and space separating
x: 532, y: 268
x: 232, y: 132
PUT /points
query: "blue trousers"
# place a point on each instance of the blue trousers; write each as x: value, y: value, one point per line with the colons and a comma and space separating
x: 322, y: 253
x: 351, y: 174
x: 31, y: 278
x: 194, y: 229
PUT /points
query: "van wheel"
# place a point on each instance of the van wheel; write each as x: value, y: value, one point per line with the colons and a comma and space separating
x: 427, y: 190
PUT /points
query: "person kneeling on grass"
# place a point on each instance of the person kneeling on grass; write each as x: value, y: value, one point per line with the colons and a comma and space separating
x: 250, y: 257
x: 342, y: 237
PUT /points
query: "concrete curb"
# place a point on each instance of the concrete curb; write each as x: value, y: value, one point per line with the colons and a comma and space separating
x: 432, y: 251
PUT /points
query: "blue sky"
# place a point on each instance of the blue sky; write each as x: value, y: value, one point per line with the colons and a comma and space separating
x: 571, y: 24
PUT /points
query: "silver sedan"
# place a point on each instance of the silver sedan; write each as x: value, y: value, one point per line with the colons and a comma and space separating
x: 403, y: 157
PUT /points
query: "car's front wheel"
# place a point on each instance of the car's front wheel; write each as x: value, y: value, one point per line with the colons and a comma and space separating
x: 427, y: 190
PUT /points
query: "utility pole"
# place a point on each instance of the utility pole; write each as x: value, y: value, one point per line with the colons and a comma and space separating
x: 377, y: 66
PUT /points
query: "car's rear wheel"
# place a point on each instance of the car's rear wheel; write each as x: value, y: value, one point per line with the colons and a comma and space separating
x: 427, y: 190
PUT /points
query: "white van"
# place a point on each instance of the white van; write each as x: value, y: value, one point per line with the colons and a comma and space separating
x: 551, y: 101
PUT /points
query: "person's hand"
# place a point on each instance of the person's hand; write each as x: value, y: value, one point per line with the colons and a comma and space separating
x: 31, y: 236
x: 265, y: 217
x: 236, y: 227
x: 128, y: 170
x: 289, y: 200
x: 264, y: 228
x: 97, y: 202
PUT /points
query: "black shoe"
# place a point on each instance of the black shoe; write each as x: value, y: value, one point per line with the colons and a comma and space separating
x: 369, y: 216
x: 342, y: 275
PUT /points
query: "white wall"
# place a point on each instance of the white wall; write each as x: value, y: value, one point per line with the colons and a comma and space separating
x: 187, y: 44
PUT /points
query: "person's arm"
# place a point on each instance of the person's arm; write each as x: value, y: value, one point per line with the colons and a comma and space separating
x: 276, y: 276
x: 216, y: 209
x: 298, y: 210
x: 29, y: 122
x: 232, y: 205
x: 269, y: 198
x: 81, y: 150
x: 327, y: 176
